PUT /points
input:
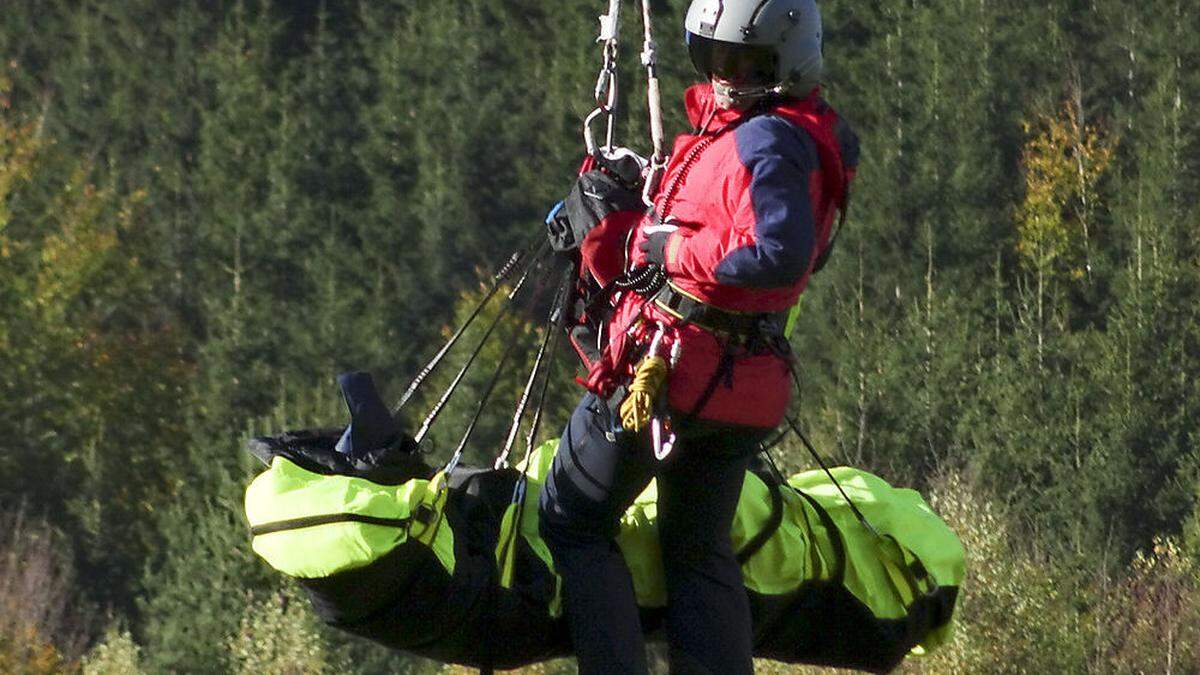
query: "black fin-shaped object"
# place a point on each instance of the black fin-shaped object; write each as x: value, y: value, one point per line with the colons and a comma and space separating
x: 372, y: 425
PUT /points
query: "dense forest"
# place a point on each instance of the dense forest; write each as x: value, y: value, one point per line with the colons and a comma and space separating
x: 210, y: 208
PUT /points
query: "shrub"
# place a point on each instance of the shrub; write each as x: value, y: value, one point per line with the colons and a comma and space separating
x: 1151, y: 621
x: 1016, y: 611
x: 116, y: 654
x: 278, y: 636
x: 43, y: 627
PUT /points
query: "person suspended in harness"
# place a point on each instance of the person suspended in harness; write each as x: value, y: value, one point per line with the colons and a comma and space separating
x: 688, y: 363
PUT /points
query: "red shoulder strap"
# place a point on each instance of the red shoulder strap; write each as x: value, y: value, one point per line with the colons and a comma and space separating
x: 820, y: 120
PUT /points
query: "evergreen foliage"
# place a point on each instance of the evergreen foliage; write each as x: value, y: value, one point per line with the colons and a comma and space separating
x: 207, y: 209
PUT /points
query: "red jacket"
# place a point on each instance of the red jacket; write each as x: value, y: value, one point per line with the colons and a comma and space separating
x: 755, y: 196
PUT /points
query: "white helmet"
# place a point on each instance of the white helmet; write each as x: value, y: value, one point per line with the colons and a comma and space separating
x: 756, y: 48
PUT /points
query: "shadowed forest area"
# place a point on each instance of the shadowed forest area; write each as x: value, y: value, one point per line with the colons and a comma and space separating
x: 209, y: 208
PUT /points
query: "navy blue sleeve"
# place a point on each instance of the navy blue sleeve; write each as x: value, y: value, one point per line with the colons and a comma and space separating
x: 779, y: 160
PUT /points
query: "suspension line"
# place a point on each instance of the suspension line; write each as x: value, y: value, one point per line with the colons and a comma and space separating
x: 551, y: 330
x: 479, y: 408
x: 523, y: 258
x: 441, y: 403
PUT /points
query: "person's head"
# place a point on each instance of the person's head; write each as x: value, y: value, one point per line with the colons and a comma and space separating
x: 754, y: 49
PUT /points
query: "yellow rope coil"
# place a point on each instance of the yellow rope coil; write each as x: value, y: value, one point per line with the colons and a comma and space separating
x: 638, y: 406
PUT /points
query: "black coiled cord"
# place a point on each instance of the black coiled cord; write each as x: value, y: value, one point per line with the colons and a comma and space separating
x: 645, y: 280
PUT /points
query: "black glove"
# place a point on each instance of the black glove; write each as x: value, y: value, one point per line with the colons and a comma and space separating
x: 594, y: 197
x: 655, y: 248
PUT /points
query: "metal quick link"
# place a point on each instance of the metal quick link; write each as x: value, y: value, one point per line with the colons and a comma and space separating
x: 605, y: 93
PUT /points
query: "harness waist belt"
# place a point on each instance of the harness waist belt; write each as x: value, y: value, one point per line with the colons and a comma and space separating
x: 719, y: 321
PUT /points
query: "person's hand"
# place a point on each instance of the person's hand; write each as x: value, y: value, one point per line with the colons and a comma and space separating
x: 655, y: 247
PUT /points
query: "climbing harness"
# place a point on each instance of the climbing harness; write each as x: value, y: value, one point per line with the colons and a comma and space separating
x: 742, y: 327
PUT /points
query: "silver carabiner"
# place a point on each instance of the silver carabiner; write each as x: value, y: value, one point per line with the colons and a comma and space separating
x: 662, y: 446
x: 654, y: 174
x: 662, y: 435
x: 589, y: 140
x: 605, y: 94
x: 606, y: 104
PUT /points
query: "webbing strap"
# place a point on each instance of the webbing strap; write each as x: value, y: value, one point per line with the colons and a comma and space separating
x: 723, y: 371
x: 325, y: 519
x: 835, y: 535
x: 720, y: 322
x: 795, y: 427
x: 825, y: 467
x: 823, y: 258
x: 769, y: 529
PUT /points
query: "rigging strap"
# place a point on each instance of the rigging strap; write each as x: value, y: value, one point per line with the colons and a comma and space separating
x: 823, y: 258
x: 479, y: 408
x: 825, y: 467
x: 795, y: 427
x: 658, y: 160
x: 555, y: 327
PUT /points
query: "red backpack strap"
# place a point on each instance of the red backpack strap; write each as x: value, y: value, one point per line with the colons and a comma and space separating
x: 824, y: 125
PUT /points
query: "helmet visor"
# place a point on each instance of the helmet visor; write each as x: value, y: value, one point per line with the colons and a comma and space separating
x: 740, y: 64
